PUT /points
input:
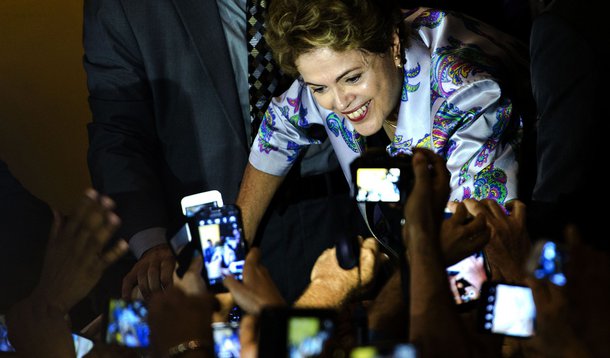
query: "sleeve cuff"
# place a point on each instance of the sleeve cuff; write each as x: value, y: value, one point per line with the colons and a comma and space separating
x: 147, y: 239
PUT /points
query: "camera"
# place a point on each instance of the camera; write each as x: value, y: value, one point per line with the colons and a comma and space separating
x: 295, y: 332
x: 547, y: 261
x: 506, y: 310
x: 226, y: 339
x: 379, y: 177
x: 218, y: 233
x: 126, y: 323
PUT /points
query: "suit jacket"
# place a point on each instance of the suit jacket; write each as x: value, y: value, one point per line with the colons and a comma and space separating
x: 166, y: 117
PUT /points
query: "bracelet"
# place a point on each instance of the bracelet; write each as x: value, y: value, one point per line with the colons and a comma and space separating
x: 192, y: 345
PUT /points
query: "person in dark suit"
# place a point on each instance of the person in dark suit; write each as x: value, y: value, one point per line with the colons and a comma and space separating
x: 168, y: 92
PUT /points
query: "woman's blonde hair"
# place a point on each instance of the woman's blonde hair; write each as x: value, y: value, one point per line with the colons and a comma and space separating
x: 295, y: 27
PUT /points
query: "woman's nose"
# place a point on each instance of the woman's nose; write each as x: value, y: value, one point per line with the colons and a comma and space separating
x: 342, y: 99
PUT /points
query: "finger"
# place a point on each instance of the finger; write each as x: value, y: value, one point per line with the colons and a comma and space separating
x: 87, y: 203
x: 475, y: 208
x: 56, y: 226
x: 494, y: 208
x: 153, y: 276
x: 461, y: 214
x: 117, y: 250
x: 167, y: 269
x: 129, y: 282
x: 241, y: 295
x: 518, y: 210
x: 143, y: 283
x: 370, y: 244
x: 254, y: 256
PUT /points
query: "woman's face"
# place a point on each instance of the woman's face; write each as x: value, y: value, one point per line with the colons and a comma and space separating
x: 363, y: 87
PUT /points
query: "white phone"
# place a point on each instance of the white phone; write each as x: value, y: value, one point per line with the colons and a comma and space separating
x: 190, y: 205
x: 193, y: 203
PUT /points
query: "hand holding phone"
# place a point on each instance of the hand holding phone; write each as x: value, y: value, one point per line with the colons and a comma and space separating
x: 295, y: 332
x: 219, y: 232
x: 507, y: 309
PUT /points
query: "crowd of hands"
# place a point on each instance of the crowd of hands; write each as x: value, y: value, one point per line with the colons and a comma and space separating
x: 81, y: 248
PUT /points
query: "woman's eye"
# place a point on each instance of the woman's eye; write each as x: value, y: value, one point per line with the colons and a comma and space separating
x: 353, y: 79
x: 317, y: 89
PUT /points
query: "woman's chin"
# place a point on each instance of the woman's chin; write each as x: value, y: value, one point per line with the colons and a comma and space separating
x: 367, y: 129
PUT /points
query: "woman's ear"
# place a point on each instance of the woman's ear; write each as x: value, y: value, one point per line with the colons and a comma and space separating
x: 396, y: 49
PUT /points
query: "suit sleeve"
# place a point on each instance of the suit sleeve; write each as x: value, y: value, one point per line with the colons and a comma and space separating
x: 124, y: 155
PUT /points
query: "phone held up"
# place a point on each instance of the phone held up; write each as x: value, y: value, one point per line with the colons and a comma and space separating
x: 288, y: 332
x: 379, y: 177
x: 219, y: 235
x: 547, y: 261
x: 506, y: 309
x: 126, y: 323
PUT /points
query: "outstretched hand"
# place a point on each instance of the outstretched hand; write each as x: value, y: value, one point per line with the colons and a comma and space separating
x: 153, y: 272
x: 78, y: 251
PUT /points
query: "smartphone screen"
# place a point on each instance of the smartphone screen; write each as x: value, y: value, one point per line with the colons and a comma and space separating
x: 5, y: 345
x: 507, y: 309
x: 547, y: 262
x: 82, y: 345
x: 126, y: 323
x: 295, y: 332
x: 399, y: 350
x: 222, y: 242
x: 466, y: 278
x: 226, y: 339
x: 378, y: 184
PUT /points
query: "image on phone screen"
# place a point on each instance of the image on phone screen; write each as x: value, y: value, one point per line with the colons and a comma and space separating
x: 222, y: 243
x: 5, y: 345
x: 508, y: 310
x: 307, y: 335
x: 466, y: 278
x: 226, y: 339
x: 378, y: 184
x: 399, y: 350
x: 127, y: 323
x: 548, y: 262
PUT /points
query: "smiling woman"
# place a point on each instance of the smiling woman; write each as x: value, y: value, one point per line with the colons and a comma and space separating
x: 429, y: 78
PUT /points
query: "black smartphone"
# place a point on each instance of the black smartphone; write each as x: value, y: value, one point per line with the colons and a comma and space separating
x: 506, y: 309
x: 385, y: 350
x: 226, y: 339
x: 219, y: 232
x: 295, y: 332
x: 466, y: 279
x: 547, y: 261
x: 126, y: 323
x: 379, y: 177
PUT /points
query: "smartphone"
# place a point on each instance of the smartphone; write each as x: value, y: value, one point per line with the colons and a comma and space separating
x: 82, y: 345
x: 190, y: 205
x: 466, y: 279
x: 547, y: 261
x: 219, y: 232
x: 295, y: 332
x: 379, y: 177
x: 193, y: 203
x: 388, y: 350
x: 5, y: 345
x: 226, y: 339
x: 507, y: 309
x: 126, y: 323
